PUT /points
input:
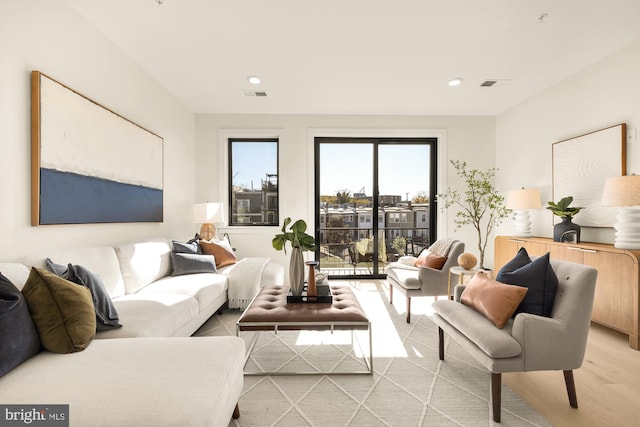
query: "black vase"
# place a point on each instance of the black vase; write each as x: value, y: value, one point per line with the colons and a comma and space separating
x: 566, y: 231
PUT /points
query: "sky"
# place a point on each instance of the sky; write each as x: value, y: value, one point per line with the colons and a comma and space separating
x: 403, y: 168
x: 252, y: 161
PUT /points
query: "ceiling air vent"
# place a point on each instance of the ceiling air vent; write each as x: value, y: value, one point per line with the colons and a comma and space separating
x: 495, y: 82
x: 254, y: 93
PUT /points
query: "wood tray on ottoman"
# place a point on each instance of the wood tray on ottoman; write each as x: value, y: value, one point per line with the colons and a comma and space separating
x: 269, y: 311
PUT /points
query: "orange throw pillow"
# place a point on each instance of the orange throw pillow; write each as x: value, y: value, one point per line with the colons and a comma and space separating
x: 431, y: 260
x: 494, y: 300
x: 223, y: 256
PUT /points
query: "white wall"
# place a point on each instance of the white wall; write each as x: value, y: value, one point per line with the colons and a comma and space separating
x: 601, y: 95
x: 467, y: 138
x: 49, y: 36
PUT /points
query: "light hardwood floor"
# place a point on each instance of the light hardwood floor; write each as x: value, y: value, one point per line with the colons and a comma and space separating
x: 607, y: 385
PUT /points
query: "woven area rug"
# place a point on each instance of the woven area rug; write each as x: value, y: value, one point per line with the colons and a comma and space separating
x: 410, y: 385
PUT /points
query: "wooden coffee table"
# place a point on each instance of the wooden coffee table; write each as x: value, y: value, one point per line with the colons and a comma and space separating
x: 269, y: 311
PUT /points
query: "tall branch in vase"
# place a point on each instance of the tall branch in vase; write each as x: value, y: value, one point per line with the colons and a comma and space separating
x: 480, y: 205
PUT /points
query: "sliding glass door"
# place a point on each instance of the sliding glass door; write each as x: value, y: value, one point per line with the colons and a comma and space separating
x: 374, y: 202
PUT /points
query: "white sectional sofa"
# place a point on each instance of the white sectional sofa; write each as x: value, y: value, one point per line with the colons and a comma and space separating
x: 151, y: 302
x: 149, y: 372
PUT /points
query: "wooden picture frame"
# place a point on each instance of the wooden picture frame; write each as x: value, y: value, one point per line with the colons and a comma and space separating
x: 88, y: 163
x: 580, y: 167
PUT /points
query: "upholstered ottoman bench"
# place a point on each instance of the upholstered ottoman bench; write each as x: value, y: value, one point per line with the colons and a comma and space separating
x: 269, y: 311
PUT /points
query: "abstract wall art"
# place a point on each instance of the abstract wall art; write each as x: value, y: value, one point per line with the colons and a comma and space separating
x: 580, y: 167
x: 89, y: 164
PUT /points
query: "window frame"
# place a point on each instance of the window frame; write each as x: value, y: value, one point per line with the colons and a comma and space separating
x: 265, y: 198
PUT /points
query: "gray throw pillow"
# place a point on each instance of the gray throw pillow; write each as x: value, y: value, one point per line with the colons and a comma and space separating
x: 106, y: 313
x: 192, y: 264
x: 190, y: 247
x: 19, y: 339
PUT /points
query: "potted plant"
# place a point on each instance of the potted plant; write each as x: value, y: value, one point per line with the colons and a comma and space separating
x: 480, y: 203
x: 565, y: 231
x: 300, y: 241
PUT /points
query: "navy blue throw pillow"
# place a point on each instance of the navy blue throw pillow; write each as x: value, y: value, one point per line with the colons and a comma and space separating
x: 19, y: 339
x: 190, y: 247
x: 537, y: 276
x: 520, y: 260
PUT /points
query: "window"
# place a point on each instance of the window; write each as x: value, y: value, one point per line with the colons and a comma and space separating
x: 384, y: 182
x: 253, y: 181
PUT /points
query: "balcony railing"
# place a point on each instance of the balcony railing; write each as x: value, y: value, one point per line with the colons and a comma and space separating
x: 350, y: 251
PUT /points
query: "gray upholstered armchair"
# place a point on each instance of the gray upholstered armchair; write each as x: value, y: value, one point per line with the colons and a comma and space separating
x: 528, y: 342
x: 423, y: 281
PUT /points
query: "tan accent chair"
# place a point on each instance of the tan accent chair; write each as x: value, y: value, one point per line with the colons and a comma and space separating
x: 528, y: 342
x: 422, y: 281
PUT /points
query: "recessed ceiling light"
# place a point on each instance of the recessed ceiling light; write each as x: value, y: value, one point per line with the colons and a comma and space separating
x: 255, y: 80
x: 455, y: 82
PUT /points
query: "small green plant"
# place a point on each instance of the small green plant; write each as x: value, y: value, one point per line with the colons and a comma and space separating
x: 399, y: 244
x: 562, y: 208
x: 296, y: 235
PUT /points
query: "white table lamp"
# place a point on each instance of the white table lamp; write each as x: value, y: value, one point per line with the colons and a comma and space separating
x: 521, y: 201
x: 624, y: 192
x: 208, y: 214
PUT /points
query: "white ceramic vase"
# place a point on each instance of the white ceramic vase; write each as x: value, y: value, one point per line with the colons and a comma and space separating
x: 296, y: 272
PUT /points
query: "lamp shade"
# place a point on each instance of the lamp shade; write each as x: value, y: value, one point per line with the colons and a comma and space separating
x: 521, y: 201
x: 525, y: 198
x: 621, y: 191
x: 204, y: 213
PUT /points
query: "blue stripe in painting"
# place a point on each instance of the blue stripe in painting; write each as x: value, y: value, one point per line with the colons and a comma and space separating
x: 69, y: 198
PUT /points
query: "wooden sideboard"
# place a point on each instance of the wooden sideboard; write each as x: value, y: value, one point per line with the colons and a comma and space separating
x: 617, y: 295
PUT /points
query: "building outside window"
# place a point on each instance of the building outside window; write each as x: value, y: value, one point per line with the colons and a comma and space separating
x: 253, y: 181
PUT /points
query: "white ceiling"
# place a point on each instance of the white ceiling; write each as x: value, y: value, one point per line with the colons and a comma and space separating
x: 362, y: 56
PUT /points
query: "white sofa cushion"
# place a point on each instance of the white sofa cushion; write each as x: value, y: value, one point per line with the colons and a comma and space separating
x: 405, y: 276
x: 144, y: 262
x: 151, y: 315
x: 17, y: 273
x: 100, y: 260
x: 139, y: 382
x: 272, y: 275
x: 496, y: 343
x: 204, y: 287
